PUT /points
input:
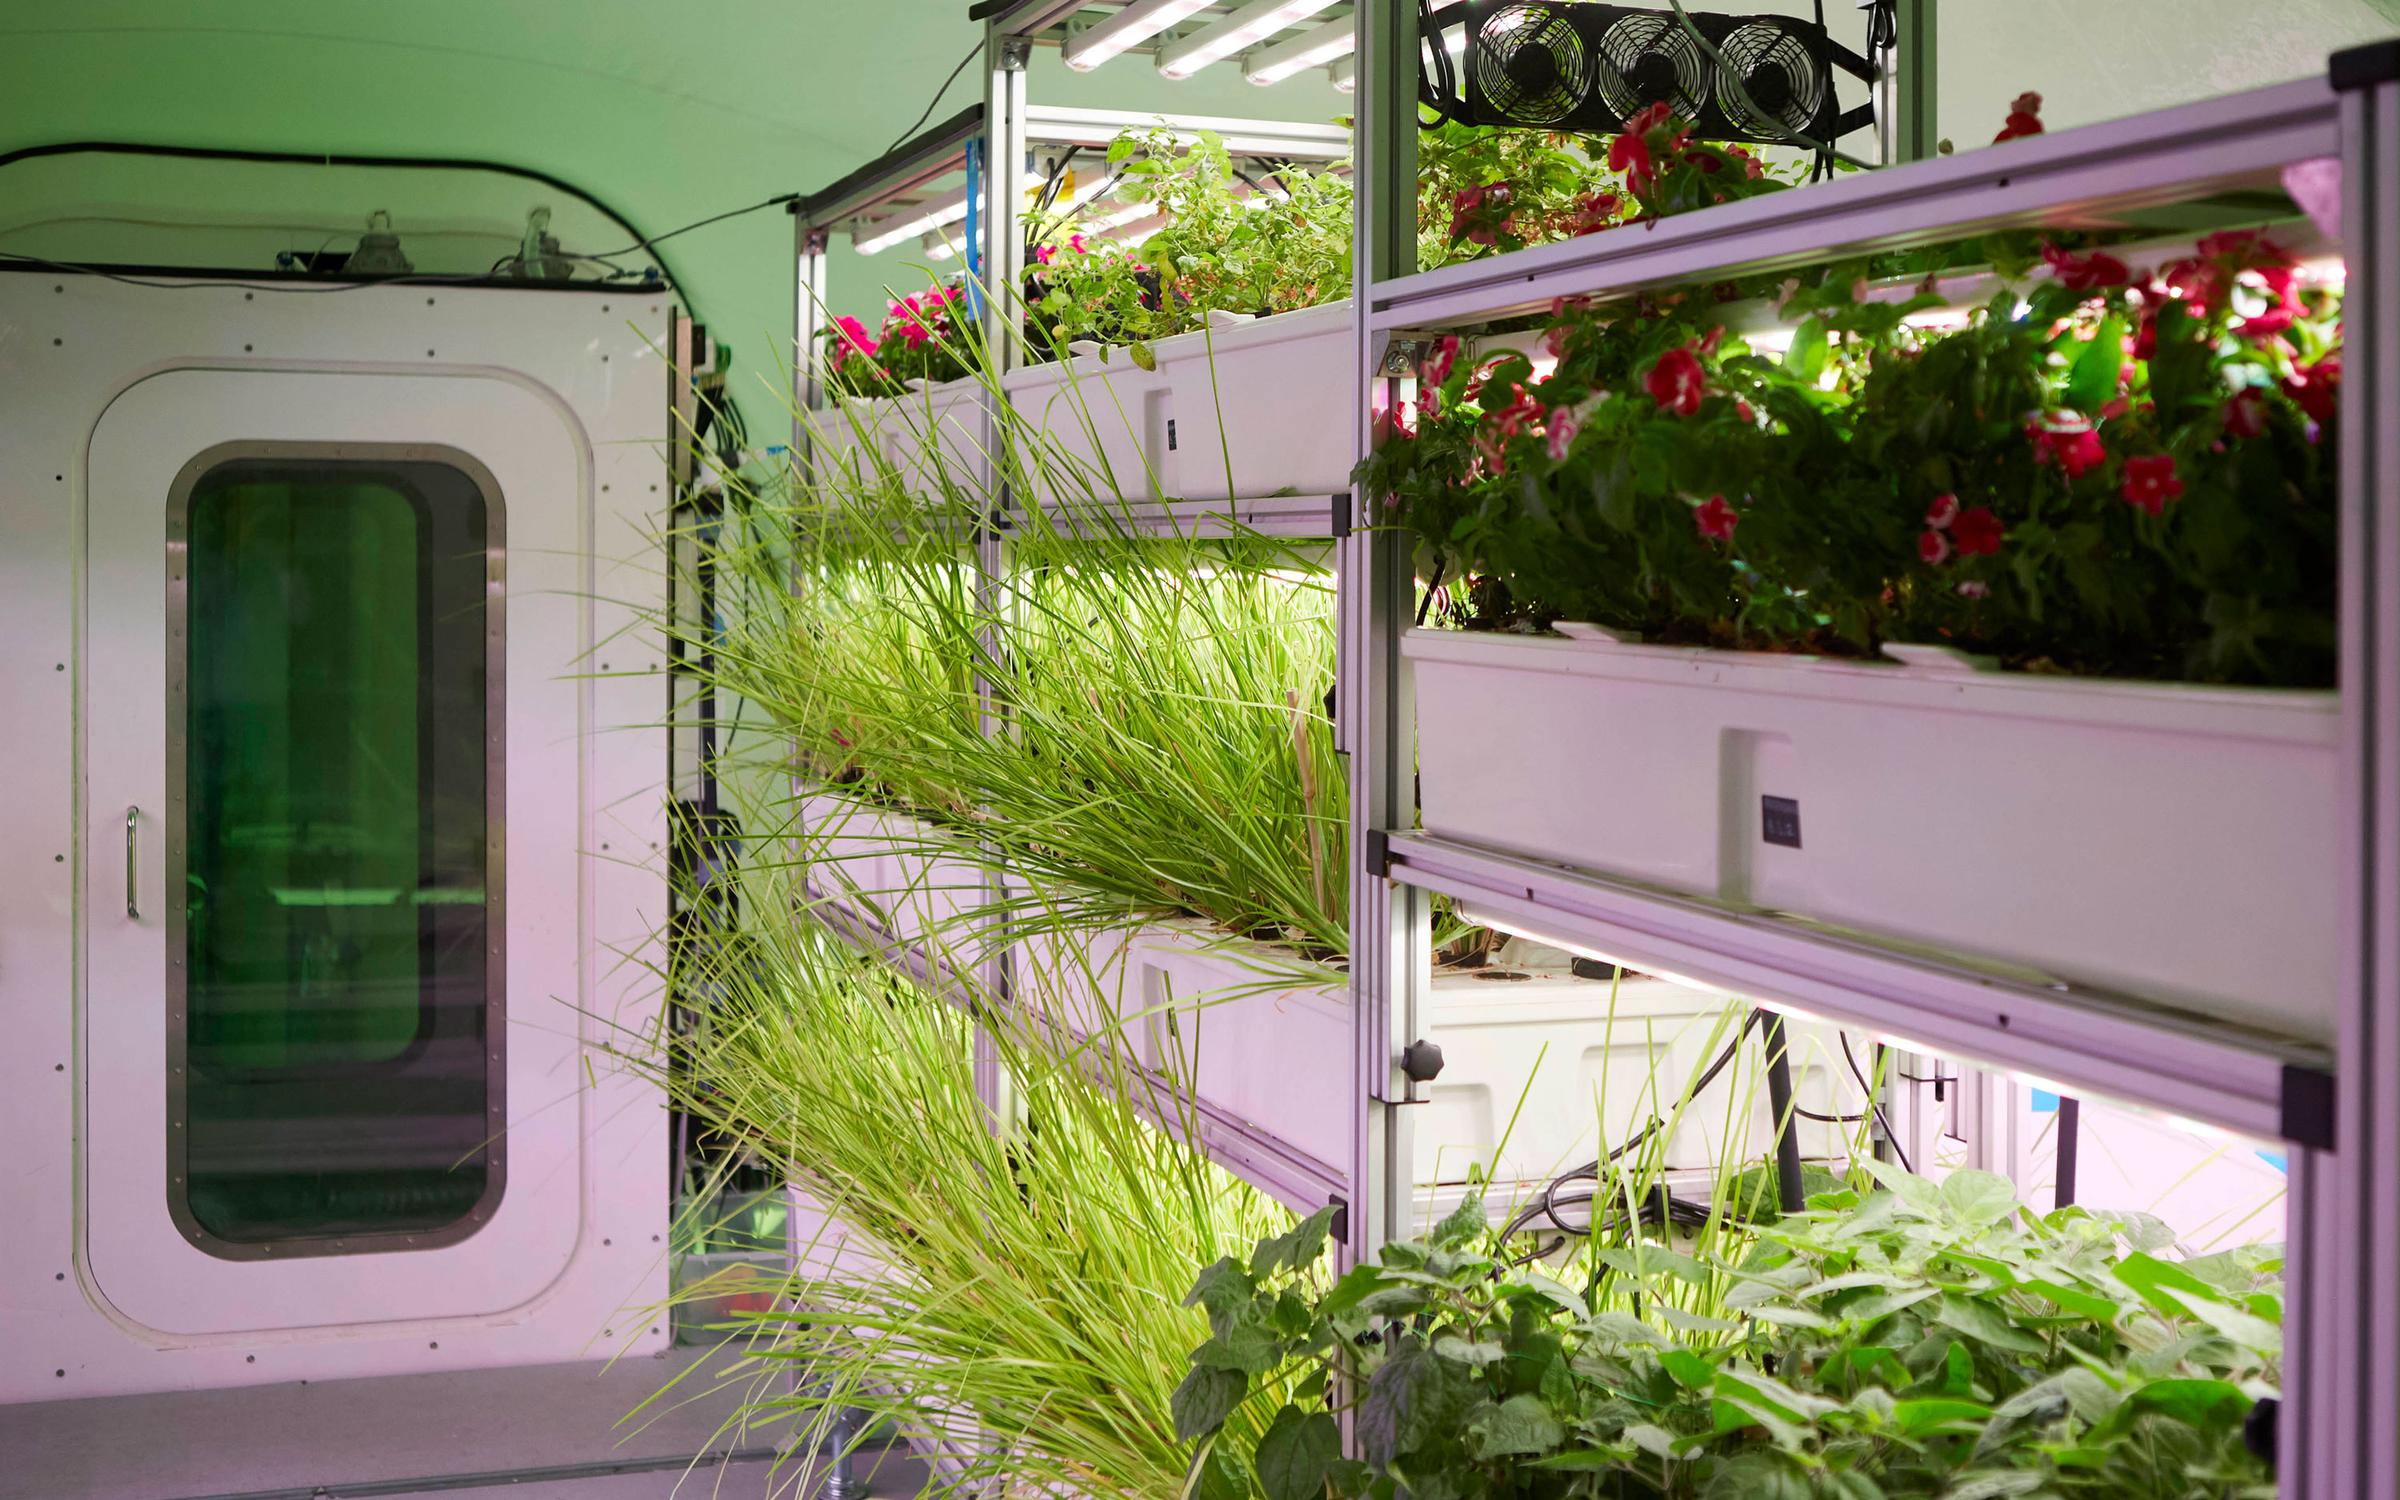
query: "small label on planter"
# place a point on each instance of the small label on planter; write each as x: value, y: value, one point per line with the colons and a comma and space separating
x: 1779, y: 821
x: 1170, y: 434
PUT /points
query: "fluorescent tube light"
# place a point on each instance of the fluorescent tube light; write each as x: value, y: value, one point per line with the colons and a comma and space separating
x: 1128, y: 28
x: 886, y: 233
x: 1312, y: 48
x: 1237, y: 32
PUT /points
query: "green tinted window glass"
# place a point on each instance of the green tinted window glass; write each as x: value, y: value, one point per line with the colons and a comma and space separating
x: 338, y: 921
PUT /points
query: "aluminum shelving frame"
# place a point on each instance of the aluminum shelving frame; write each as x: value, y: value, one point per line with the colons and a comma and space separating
x: 2340, y: 1424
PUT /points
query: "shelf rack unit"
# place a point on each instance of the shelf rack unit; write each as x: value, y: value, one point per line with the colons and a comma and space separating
x: 2338, y: 1429
x: 2340, y: 1424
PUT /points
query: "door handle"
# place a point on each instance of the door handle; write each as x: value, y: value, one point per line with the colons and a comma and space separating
x: 133, y: 908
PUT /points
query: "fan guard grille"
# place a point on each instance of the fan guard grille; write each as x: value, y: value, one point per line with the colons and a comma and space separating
x: 1649, y: 59
x: 1781, y: 76
x: 1531, y: 65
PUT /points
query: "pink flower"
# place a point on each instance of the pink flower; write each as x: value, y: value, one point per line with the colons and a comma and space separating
x: 1716, y: 519
x: 1933, y: 547
x: 1941, y: 512
x: 1977, y: 532
x: 1471, y: 209
x: 1973, y: 588
x: 1677, y: 382
x: 2317, y: 388
x: 2085, y: 273
x: 1561, y: 425
x: 2150, y: 483
x: 1437, y: 364
x: 1554, y: 341
x: 1081, y: 246
x: 854, y: 336
x: 2246, y: 413
x: 1522, y: 411
x: 1044, y: 254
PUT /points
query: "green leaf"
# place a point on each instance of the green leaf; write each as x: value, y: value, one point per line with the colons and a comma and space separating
x: 1222, y: 1288
x: 1676, y: 1317
x: 1652, y: 1439
x: 1981, y: 1321
x: 1521, y: 1424
x: 1466, y: 1223
x: 2251, y: 1332
x: 2092, y: 380
x: 1204, y: 1399
x: 1690, y: 1371
x: 1141, y: 354
x: 2195, y: 1403
x: 1296, y: 1248
x: 2075, y: 1300
x: 1994, y: 1484
x: 1296, y: 1453
x: 1474, y: 1353
x: 1979, y: 1198
x: 1583, y: 1460
x: 1356, y: 1285
x: 1939, y: 1414
x: 1810, y: 350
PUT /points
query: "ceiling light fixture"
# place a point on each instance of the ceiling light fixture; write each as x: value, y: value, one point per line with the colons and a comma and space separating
x: 1128, y: 28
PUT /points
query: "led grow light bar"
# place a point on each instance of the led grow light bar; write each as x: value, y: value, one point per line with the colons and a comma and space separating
x: 1251, y: 24
x: 1069, y: 125
x: 889, y: 232
x: 1128, y: 28
x: 1312, y: 48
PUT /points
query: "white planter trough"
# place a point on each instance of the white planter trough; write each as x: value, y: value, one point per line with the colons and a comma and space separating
x: 2170, y: 842
x: 930, y: 432
x: 890, y: 868
x: 1279, y: 1058
x: 1249, y: 408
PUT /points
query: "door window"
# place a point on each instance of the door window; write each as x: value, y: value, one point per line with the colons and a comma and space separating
x: 334, y: 950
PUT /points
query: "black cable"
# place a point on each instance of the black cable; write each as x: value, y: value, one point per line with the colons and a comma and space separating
x: 202, y: 279
x: 1891, y: 1137
x: 935, y: 102
x: 732, y: 213
x: 1437, y: 84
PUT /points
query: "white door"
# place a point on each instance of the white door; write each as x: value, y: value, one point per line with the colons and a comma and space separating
x: 330, y: 1010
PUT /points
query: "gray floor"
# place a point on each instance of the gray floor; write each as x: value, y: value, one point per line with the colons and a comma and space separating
x: 555, y: 1432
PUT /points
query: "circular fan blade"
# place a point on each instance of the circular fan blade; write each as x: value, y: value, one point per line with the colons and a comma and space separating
x: 1531, y: 65
x: 1784, y: 79
x: 1650, y: 59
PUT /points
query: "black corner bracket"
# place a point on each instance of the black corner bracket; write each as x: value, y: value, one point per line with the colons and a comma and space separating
x: 1379, y: 854
x: 2307, y: 1107
x: 2364, y: 67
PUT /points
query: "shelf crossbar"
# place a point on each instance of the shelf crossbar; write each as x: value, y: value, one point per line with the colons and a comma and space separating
x: 2250, y: 1083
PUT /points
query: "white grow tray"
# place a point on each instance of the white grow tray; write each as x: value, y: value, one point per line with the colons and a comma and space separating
x: 886, y: 866
x: 2172, y: 842
x: 1271, y: 397
x: 893, y: 431
x: 1280, y: 1057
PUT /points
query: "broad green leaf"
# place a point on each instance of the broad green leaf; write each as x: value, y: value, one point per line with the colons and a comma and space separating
x: 2151, y: 1279
x: 1992, y: 1484
x: 1652, y: 1439
x: 1201, y: 1403
x: 1139, y: 351
x: 1355, y: 1286
x: 1791, y: 1317
x: 2075, y: 1300
x: 1584, y: 1460
x: 1221, y: 1289
x: 1754, y: 1387
x: 1939, y: 1414
x: 1466, y: 1222
x: 2248, y: 1330
x: 1981, y: 1321
x: 1976, y: 1197
x: 1296, y: 1248
x: 1476, y: 1353
x: 2092, y: 381
x: 1676, y: 1317
x: 1521, y: 1424
x: 2195, y: 1403
x: 1690, y: 1371
x: 1295, y: 1454
x: 1807, y: 356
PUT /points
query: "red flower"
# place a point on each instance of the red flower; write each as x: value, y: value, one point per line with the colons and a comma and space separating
x: 1933, y: 547
x: 1560, y: 430
x: 1437, y: 364
x: 2246, y: 413
x: 1716, y: 519
x: 2150, y: 482
x: 1595, y: 213
x: 2071, y: 443
x: 1469, y: 205
x: 1677, y: 382
x: 1636, y: 155
x: 2024, y: 118
x: 1522, y: 411
x: 2317, y: 388
x: 1977, y: 532
x: 1941, y: 512
x: 1630, y: 155
x: 2085, y: 273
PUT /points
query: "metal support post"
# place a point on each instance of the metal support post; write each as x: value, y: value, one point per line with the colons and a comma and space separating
x: 808, y: 326
x: 1907, y: 120
x: 1789, y: 1196
x: 1390, y: 924
x: 2359, y: 1315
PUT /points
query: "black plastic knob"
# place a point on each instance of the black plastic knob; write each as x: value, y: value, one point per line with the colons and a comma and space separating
x: 1421, y: 1060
